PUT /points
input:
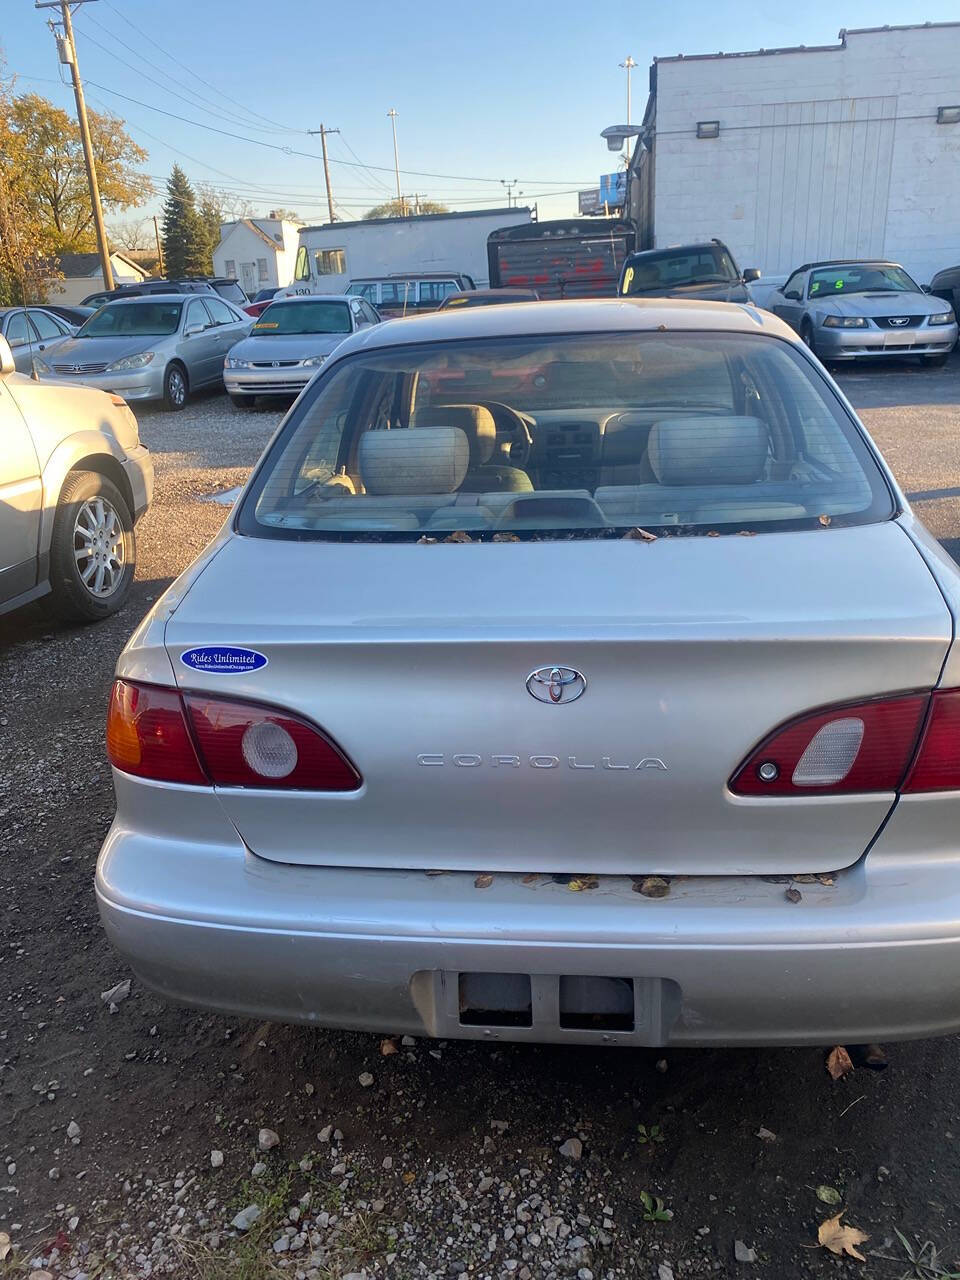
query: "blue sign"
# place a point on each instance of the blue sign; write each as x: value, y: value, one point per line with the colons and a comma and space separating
x: 613, y: 188
x: 223, y: 660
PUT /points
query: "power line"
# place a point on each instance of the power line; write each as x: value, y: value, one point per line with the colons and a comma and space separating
x: 201, y: 103
x: 183, y: 66
x: 312, y: 155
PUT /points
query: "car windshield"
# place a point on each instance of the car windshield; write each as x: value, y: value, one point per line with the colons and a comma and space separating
x: 679, y: 269
x: 860, y: 277
x: 136, y: 319
x: 589, y: 435
x: 285, y: 318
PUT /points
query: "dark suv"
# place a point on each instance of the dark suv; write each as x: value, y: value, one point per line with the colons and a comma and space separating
x: 686, y: 271
x: 226, y: 286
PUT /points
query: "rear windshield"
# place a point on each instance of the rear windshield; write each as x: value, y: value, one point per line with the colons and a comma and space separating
x: 586, y: 436
x: 138, y: 319
x: 676, y: 268
x: 284, y: 318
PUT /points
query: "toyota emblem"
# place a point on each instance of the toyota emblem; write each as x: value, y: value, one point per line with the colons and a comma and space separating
x: 556, y: 684
x: 276, y: 364
x: 76, y: 368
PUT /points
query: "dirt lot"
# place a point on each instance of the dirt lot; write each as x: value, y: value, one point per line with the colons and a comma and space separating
x: 448, y: 1162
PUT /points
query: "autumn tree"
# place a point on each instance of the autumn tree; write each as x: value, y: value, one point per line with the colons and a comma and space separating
x: 185, y: 238
x: 22, y: 266
x: 52, y: 169
x: 403, y: 207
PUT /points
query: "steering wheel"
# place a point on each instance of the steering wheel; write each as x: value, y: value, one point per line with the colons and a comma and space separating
x: 514, y: 427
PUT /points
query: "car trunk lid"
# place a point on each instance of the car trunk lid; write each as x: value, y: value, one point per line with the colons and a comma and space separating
x: 415, y: 658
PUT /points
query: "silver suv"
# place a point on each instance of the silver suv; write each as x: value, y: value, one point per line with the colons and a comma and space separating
x: 74, y: 479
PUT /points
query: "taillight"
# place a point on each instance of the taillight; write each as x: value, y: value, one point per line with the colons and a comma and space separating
x: 866, y: 746
x: 147, y: 735
x: 199, y: 739
x: 245, y: 745
x: 937, y: 765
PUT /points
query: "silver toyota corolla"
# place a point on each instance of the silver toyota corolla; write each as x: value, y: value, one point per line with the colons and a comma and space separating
x: 289, y: 342
x: 566, y: 671
x: 156, y: 347
x: 861, y: 309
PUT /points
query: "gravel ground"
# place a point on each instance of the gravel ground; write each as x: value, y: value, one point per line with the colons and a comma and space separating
x: 131, y: 1140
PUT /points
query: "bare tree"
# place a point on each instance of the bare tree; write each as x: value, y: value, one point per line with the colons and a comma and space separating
x: 136, y: 236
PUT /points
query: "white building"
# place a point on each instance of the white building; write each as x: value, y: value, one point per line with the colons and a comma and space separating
x: 80, y: 275
x: 793, y: 155
x: 334, y: 254
x: 259, y: 252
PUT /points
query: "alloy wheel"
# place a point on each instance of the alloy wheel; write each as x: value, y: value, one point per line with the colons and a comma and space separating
x: 98, y: 547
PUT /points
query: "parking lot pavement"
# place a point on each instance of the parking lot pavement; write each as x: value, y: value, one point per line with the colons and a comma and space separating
x: 444, y: 1157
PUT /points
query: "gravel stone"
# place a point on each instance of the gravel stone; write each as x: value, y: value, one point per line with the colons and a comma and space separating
x: 267, y: 1139
x: 572, y: 1149
x: 742, y: 1253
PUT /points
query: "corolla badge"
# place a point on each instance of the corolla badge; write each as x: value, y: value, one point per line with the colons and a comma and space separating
x: 556, y: 684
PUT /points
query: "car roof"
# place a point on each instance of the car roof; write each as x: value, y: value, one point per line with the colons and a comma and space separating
x: 139, y: 299
x: 544, y: 319
x: 677, y: 248
x: 312, y: 297
x: 847, y: 262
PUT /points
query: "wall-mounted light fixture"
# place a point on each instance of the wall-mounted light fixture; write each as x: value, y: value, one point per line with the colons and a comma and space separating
x: 709, y: 128
x: 948, y: 115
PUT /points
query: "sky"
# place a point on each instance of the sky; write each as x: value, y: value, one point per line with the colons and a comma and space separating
x: 484, y: 92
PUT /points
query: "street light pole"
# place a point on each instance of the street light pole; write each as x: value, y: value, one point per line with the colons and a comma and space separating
x: 68, y: 55
x: 627, y: 65
x: 396, y: 157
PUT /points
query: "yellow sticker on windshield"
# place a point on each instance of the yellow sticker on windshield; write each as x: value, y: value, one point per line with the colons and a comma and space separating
x: 267, y: 324
x: 627, y: 280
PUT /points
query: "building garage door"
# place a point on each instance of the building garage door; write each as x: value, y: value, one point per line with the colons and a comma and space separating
x: 823, y: 180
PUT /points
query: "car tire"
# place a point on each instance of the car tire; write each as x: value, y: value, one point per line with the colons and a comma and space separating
x: 92, y: 514
x: 175, y: 389
x: 243, y: 402
x: 935, y: 362
x: 806, y: 335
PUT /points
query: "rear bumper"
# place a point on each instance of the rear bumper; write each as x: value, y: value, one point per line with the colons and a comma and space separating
x: 720, y: 961
x: 138, y: 467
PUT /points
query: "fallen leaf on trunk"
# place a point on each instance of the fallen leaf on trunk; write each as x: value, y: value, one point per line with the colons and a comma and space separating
x: 838, y: 1063
x: 829, y: 1195
x: 531, y: 877
x: 579, y: 883
x: 841, y: 1240
x: 483, y: 881
x: 458, y: 536
x: 639, y: 535
x: 505, y: 537
x: 652, y: 887
x: 793, y: 895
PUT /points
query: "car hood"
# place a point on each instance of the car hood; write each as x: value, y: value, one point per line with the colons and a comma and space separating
x: 715, y: 291
x: 298, y: 346
x: 88, y: 350
x: 903, y: 303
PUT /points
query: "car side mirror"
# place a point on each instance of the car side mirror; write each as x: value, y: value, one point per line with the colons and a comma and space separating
x: 792, y: 296
x: 6, y: 358
x: 193, y: 330
x: 927, y: 288
x: 751, y: 273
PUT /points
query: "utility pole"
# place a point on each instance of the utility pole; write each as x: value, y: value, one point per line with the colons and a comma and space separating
x: 326, y: 165
x: 68, y: 55
x: 509, y: 186
x: 396, y: 160
x: 156, y: 232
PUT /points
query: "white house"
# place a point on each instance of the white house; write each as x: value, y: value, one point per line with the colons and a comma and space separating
x: 259, y: 252
x: 82, y: 276
x: 794, y: 155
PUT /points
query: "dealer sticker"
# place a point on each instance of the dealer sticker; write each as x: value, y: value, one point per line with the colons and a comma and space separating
x: 223, y: 660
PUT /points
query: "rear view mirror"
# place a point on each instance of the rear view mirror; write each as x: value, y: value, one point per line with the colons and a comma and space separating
x: 751, y: 273
x: 6, y: 357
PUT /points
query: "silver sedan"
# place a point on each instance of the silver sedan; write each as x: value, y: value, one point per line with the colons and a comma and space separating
x: 289, y: 342
x: 849, y: 310
x: 481, y: 717
x: 29, y: 331
x: 159, y: 347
